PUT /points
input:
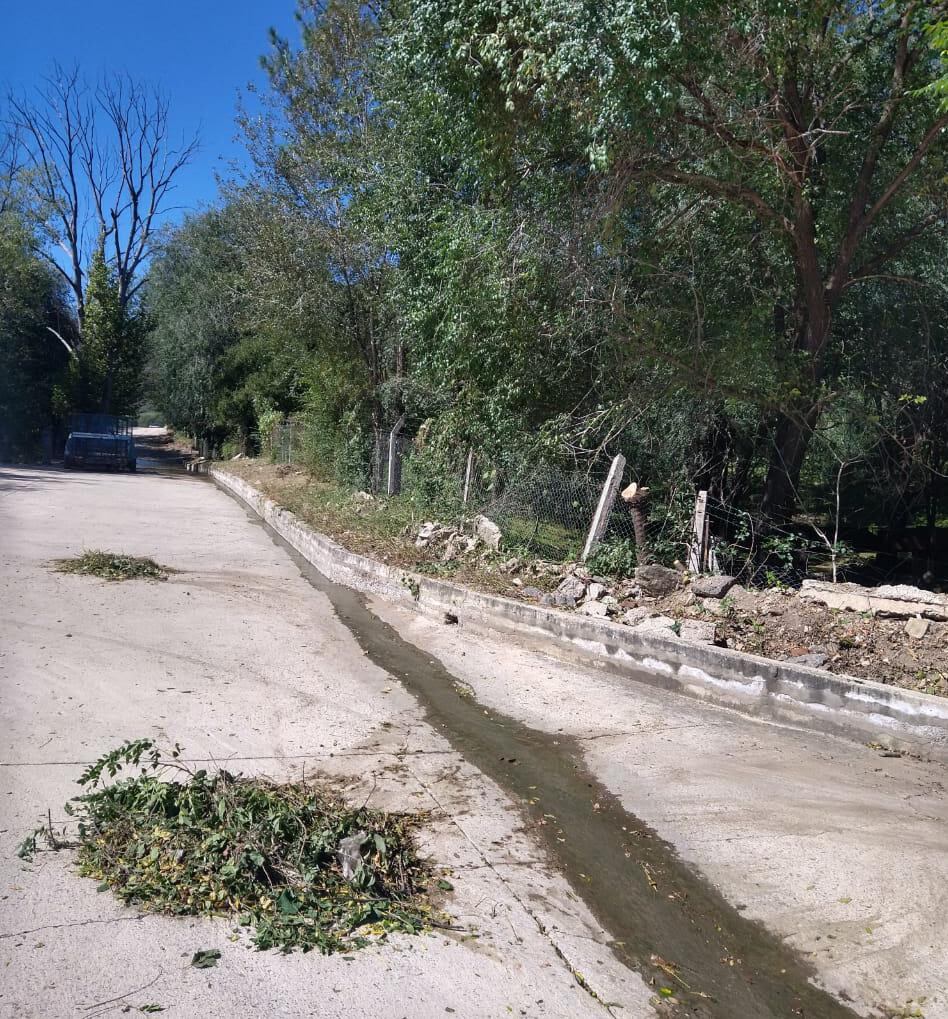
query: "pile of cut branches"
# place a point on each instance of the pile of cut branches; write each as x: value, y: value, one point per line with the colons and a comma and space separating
x: 112, y: 566
x: 296, y: 864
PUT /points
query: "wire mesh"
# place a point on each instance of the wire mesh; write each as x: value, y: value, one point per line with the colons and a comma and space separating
x: 543, y: 511
x: 387, y: 460
x: 547, y: 511
x: 285, y: 441
x: 760, y: 552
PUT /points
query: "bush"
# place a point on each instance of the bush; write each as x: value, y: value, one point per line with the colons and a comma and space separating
x: 614, y: 558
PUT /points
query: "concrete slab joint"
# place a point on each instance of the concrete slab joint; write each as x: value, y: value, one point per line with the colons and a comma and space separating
x: 798, y: 694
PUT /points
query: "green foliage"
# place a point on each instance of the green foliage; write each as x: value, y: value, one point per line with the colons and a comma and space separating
x: 295, y: 864
x: 938, y: 37
x: 206, y: 958
x: 189, y: 295
x: 550, y: 231
x: 267, y: 421
x: 613, y: 558
x: 112, y: 566
x: 106, y: 373
x: 33, y: 362
x: 649, y: 122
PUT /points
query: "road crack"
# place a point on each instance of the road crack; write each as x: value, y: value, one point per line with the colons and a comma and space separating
x: 72, y: 923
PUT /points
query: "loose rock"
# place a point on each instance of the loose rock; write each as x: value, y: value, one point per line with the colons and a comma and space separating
x: 427, y: 533
x: 487, y: 531
x: 813, y: 660
x: 655, y: 624
x: 571, y: 587
x: 657, y: 581
x: 637, y: 614
x: 712, y: 586
x: 594, y: 608
x: 916, y: 627
x: 698, y: 631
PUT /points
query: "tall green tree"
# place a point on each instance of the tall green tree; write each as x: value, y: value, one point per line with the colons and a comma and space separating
x: 712, y: 239
x: 107, y: 368
x: 33, y: 362
x: 322, y: 156
x: 808, y: 122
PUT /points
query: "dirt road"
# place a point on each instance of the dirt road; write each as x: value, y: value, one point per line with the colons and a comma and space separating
x: 841, y: 853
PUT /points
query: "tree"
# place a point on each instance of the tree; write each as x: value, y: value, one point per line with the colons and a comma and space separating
x: 232, y: 339
x: 807, y: 121
x: 192, y: 296
x: 938, y: 37
x: 108, y: 363
x: 9, y: 166
x: 32, y: 362
x: 103, y: 168
x: 320, y: 155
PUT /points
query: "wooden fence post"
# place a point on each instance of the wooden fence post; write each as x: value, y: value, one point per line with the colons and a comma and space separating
x: 395, y: 459
x: 698, y: 553
x: 607, y: 497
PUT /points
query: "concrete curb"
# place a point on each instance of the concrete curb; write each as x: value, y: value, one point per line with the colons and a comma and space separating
x: 809, y: 698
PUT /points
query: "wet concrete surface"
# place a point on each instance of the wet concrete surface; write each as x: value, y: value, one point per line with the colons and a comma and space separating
x: 155, y: 456
x: 702, y: 957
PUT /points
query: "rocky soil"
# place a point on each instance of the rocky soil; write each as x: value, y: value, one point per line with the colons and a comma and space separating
x: 904, y: 644
x: 901, y: 646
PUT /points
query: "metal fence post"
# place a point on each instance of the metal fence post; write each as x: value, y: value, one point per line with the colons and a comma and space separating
x: 467, y: 475
x: 607, y: 497
x: 395, y: 459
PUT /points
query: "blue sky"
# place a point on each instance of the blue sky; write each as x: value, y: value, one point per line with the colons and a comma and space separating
x: 201, y: 54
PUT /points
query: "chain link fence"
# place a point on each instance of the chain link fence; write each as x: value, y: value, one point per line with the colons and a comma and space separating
x: 285, y: 441
x: 542, y: 510
x: 548, y: 511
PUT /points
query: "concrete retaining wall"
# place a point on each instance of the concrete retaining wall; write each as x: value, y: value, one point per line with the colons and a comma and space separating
x: 810, y: 698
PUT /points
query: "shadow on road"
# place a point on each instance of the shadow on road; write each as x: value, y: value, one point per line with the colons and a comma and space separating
x: 155, y: 456
x: 24, y: 477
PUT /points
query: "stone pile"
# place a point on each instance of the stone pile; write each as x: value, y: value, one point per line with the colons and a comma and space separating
x: 459, y: 540
x: 633, y: 601
x: 897, y: 601
x: 452, y: 542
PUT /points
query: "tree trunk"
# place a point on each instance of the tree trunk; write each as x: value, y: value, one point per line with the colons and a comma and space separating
x: 795, y: 427
x: 783, y: 475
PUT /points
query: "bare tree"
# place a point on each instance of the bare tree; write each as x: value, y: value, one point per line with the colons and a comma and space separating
x: 102, y: 169
x: 10, y: 154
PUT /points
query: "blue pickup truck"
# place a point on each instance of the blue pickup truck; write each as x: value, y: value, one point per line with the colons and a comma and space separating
x: 100, y: 440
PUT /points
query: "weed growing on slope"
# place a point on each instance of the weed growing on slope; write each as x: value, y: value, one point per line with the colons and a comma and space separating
x: 112, y: 566
x: 294, y: 863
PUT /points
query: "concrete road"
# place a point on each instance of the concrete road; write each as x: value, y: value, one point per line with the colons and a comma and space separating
x: 239, y: 659
x: 840, y: 852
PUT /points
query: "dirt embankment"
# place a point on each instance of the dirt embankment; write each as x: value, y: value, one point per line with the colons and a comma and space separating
x: 774, y: 622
